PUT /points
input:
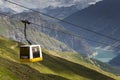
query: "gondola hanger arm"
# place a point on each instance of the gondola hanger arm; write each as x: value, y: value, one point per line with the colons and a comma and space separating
x: 25, y: 22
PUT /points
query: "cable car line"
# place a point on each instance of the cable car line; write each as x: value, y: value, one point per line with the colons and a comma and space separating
x: 72, y: 34
x: 63, y: 31
x: 25, y: 22
x: 29, y: 53
x: 68, y: 23
x: 32, y: 53
x: 78, y: 26
x: 69, y: 33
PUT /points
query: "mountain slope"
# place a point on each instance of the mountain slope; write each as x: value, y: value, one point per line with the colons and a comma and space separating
x: 52, y: 67
x: 115, y: 62
x: 102, y: 17
x: 14, y: 29
x: 10, y: 70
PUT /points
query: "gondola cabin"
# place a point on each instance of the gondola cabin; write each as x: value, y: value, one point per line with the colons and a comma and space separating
x: 30, y: 53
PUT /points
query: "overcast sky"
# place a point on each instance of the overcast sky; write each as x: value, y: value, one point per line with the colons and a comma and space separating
x: 41, y: 3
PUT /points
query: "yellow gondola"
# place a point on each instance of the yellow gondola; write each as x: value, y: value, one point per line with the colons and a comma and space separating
x: 30, y: 53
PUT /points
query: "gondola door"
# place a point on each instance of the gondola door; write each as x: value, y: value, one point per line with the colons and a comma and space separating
x: 36, y: 54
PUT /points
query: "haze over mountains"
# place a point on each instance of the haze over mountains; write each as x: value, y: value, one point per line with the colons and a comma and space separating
x: 102, y: 17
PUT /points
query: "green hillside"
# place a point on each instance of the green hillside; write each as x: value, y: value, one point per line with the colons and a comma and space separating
x: 53, y: 67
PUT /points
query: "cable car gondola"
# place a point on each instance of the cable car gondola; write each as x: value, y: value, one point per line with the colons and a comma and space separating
x: 30, y: 53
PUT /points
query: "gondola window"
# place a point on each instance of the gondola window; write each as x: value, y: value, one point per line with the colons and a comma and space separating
x: 36, y: 52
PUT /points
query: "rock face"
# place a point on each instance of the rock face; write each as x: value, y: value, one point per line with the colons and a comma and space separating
x: 102, y: 17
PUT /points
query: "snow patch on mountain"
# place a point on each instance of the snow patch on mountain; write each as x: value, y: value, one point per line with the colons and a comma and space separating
x: 44, y: 3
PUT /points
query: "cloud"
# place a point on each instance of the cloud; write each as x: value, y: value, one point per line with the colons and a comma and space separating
x: 94, y: 2
x: 93, y: 54
x: 35, y: 4
x: 53, y: 3
x: 1, y: 2
x: 41, y: 3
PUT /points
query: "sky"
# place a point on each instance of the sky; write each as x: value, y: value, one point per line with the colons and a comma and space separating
x: 42, y: 3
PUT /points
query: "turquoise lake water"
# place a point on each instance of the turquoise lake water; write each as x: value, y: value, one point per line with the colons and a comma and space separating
x: 104, y: 55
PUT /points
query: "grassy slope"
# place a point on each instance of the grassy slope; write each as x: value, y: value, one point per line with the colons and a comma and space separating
x: 52, y: 68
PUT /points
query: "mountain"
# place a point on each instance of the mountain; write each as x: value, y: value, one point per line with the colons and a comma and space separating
x: 7, y: 11
x: 99, y: 17
x: 80, y: 45
x: 11, y: 28
x: 53, y: 67
x: 14, y: 29
x: 46, y: 3
x: 103, y: 17
x: 115, y: 62
x: 60, y: 12
x: 77, y: 44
